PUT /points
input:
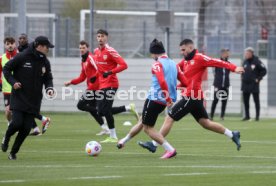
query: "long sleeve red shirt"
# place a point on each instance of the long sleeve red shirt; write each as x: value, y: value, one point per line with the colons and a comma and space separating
x: 88, y: 71
x: 194, y: 69
x: 108, y: 59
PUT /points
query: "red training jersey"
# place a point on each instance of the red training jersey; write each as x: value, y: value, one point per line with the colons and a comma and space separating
x: 88, y: 71
x: 108, y: 59
x: 193, y: 71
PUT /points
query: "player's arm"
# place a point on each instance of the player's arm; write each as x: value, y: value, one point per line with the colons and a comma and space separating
x: 9, y: 67
x: 121, y: 64
x: 92, y: 63
x: 48, y: 79
x: 181, y: 78
x: 157, y: 69
x: 77, y: 80
x: 181, y: 65
x: 262, y: 71
x: 213, y: 62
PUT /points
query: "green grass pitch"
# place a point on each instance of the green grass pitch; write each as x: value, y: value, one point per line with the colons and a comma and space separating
x: 204, y: 158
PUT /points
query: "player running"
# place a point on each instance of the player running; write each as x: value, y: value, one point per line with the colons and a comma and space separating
x: 88, y: 100
x: 11, y: 51
x: 161, y: 95
x: 193, y: 66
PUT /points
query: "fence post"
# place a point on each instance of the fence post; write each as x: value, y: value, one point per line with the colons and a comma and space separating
x: 144, y: 37
x: 67, y: 27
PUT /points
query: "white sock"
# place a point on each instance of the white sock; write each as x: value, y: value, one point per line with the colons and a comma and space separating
x: 167, y: 146
x: 113, y: 133
x: 228, y: 133
x: 36, y: 129
x: 104, y: 126
x: 155, y: 143
x: 43, y: 118
x: 125, y: 139
x: 127, y: 107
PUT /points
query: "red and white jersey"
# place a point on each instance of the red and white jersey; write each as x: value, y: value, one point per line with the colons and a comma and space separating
x: 193, y: 71
x: 88, y: 71
x: 108, y: 59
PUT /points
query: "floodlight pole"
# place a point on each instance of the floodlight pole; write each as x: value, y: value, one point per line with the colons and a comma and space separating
x: 21, y: 17
x: 91, y: 16
x: 167, y: 32
x: 244, y: 23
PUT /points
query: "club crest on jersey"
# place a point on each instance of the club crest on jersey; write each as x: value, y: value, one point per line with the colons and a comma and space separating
x: 43, y: 70
x: 104, y: 57
x: 192, y: 62
x: 253, y: 67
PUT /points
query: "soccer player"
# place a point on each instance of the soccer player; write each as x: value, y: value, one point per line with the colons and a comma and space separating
x: 11, y: 51
x: 193, y: 66
x: 109, y: 63
x: 27, y: 72
x: 88, y: 100
x: 161, y: 95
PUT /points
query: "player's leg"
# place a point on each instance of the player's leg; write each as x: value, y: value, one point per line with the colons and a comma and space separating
x: 22, y: 134
x: 45, y: 122
x: 149, y: 118
x: 246, y: 98
x: 256, y: 98
x: 199, y: 113
x: 126, y: 108
x: 177, y: 112
x: 136, y: 129
x: 8, y: 112
x: 214, y: 104
x: 224, y: 103
x: 105, y: 109
x: 87, y: 103
x: 16, y: 123
x: 36, y: 130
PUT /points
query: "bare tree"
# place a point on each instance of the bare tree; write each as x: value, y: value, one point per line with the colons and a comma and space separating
x: 203, y: 4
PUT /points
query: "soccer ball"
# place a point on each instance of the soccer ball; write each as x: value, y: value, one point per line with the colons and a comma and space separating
x: 93, y: 148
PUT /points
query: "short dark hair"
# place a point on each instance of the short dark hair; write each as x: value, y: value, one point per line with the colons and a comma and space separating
x: 186, y: 42
x: 82, y: 42
x: 102, y: 31
x: 9, y: 39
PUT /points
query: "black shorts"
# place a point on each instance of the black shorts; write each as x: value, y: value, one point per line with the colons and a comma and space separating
x: 151, y: 111
x: 89, y: 97
x: 186, y: 106
x: 105, y: 98
x: 7, y: 99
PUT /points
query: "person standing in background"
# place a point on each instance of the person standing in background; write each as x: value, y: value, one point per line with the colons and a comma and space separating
x: 254, y: 73
x: 221, y: 85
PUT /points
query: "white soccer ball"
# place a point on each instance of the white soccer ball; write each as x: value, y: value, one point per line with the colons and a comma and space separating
x: 93, y: 148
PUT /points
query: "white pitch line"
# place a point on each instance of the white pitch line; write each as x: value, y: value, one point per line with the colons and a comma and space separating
x: 187, y: 174
x: 136, y: 153
x: 94, y: 177
x: 12, y: 181
x: 264, y: 172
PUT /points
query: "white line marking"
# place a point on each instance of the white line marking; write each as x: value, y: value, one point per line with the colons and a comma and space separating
x: 94, y: 177
x: 187, y: 174
x: 264, y: 172
x: 12, y: 181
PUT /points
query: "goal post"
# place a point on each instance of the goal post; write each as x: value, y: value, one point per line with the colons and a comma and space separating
x: 3, y: 24
x: 85, y: 12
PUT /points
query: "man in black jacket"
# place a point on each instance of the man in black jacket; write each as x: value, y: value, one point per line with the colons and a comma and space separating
x: 254, y: 73
x: 22, y: 42
x: 221, y: 85
x: 27, y: 72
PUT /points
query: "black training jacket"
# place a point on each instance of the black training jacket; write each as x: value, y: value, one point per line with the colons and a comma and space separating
x: 221, y: 79
x: 254, y: 70
x: 33, y: 70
